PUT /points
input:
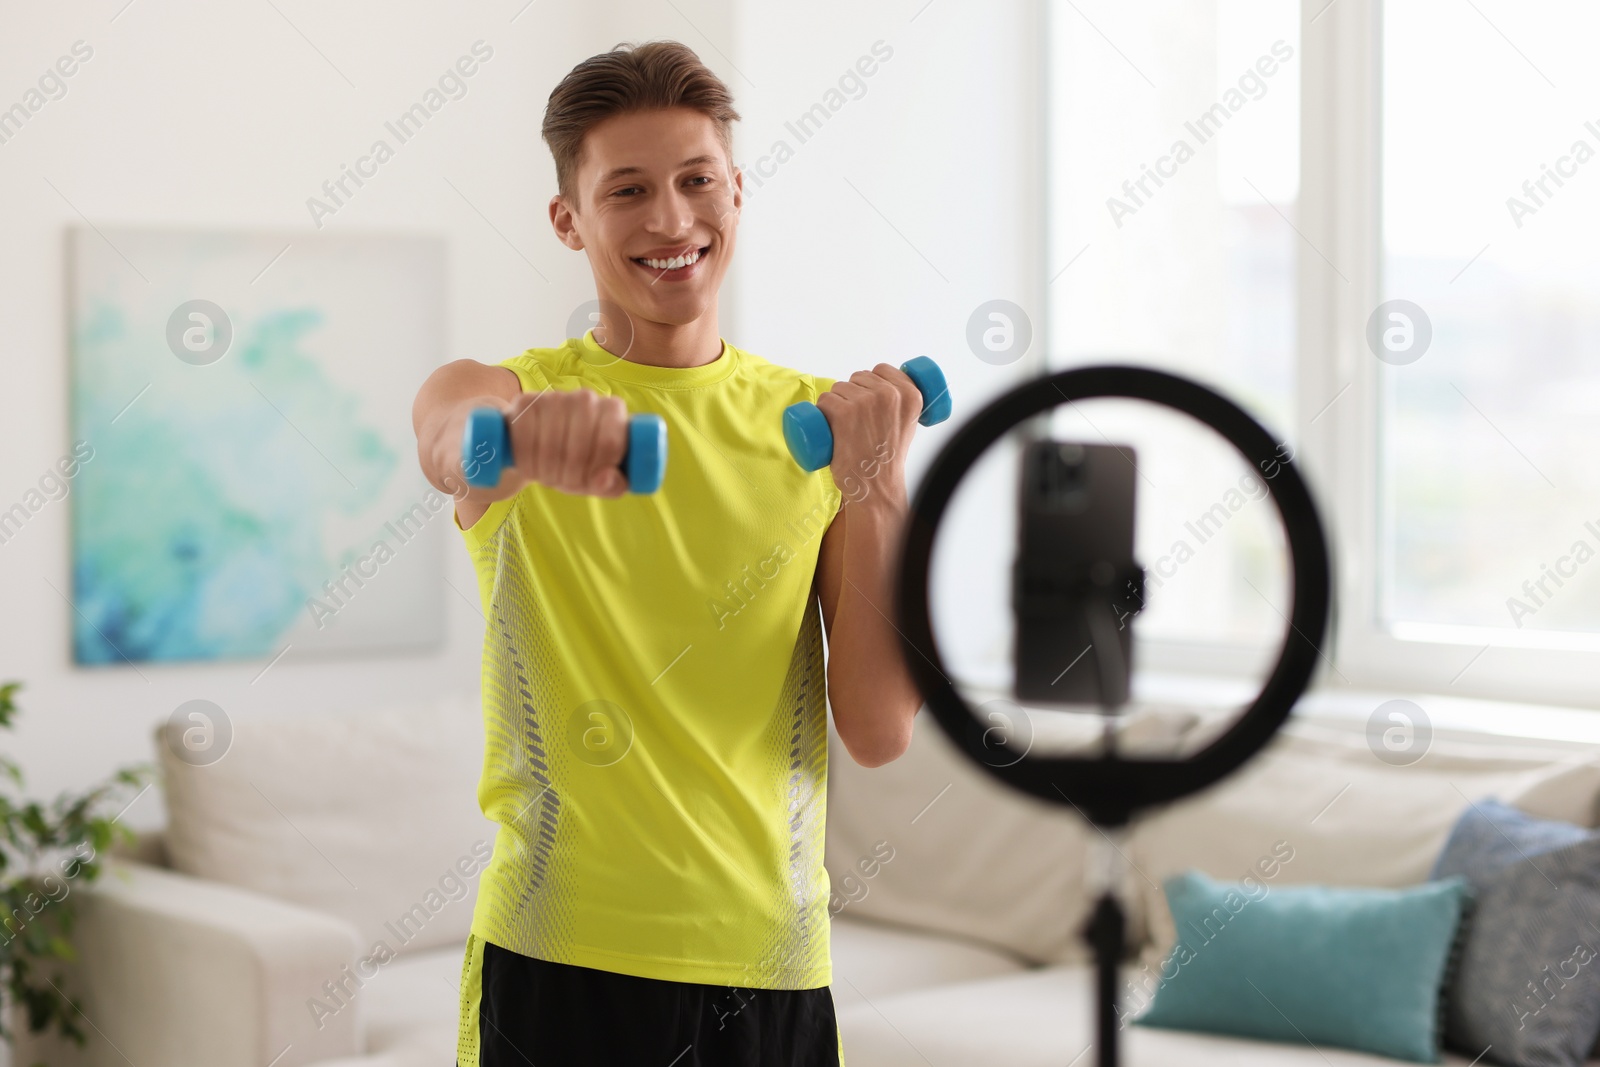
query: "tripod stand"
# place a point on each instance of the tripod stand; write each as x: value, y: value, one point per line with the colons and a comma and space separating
x: 1107, y: 789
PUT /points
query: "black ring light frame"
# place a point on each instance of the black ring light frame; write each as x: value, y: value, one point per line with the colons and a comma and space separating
x: 1106, y: 788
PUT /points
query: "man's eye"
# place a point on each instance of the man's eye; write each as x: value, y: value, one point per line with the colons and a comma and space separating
x: 703, y: 178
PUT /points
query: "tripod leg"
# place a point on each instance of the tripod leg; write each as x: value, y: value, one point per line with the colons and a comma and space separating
x: 1106, y: 935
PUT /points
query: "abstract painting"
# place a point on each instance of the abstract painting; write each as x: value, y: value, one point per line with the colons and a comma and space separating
x: 253, y: 489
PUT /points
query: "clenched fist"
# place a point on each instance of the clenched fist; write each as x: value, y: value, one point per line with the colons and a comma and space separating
x: 567, y: 439
x: 873, y: 417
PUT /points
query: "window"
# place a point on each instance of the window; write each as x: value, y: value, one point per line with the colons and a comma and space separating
x: 1173, y: 177
x: 1458, y: 470
x: 1371, y: 225
x: 1488, y: 485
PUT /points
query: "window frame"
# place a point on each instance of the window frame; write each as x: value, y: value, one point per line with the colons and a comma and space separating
x: 1336, y: 417
x: 1340, y: 210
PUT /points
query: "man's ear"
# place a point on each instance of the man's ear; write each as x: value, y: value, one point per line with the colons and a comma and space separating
x: 561, y: 220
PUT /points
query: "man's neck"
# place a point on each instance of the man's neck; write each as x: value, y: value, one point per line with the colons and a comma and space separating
x: 664, y: 345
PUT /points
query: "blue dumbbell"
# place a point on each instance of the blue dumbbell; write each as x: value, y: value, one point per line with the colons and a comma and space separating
x: 810, y: 438
x: 486, y: 450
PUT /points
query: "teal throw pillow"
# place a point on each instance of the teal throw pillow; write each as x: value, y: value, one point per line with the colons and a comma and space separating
x: 1355, y: 968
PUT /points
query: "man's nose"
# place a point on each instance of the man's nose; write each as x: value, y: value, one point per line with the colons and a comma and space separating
x: 672, y: 215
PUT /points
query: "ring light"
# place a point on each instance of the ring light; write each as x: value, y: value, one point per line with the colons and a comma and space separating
x: 1107, y: 788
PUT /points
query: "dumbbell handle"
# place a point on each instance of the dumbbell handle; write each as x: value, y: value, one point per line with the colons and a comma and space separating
x: 486, y: 450
x: 810, y: 438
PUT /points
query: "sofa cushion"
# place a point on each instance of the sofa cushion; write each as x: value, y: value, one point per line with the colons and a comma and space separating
x: 412, y: 1007
x: 1527, y: 984
x: 1317, y: 806
x: 872, y: 959
x: 370, y: 815
x: 1357, y: 968
x: 972, y: 858
x: 1045, y: 1018
x: 409, y: 1009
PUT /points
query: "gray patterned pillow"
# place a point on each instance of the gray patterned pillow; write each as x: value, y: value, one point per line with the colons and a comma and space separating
x: 1527, y: 991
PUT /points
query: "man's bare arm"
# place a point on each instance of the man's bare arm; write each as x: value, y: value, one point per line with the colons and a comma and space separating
x: 439, y: 415
x: 875, y: 702
x: 873, y: 697
x: 571, y: 440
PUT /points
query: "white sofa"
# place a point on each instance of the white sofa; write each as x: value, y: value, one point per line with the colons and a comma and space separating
x: 955, y: 934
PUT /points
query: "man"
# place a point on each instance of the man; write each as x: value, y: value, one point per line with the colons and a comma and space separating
x: 653, y: 677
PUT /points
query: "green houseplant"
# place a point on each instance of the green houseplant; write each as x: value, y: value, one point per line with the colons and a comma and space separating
x: 49, y: 849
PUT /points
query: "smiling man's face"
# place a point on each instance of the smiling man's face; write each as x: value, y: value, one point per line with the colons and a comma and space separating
x: 657, y: 213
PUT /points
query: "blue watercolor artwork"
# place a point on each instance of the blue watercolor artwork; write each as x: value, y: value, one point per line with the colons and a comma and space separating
x: 247, y: 399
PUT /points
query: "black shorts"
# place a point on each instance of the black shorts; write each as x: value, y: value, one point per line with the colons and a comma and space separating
x: 518, y: 1011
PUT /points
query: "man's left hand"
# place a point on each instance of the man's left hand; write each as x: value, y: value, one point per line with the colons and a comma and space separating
x: 873, y: 417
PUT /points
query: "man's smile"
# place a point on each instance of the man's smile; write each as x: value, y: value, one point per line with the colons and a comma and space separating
x: 672, y: 267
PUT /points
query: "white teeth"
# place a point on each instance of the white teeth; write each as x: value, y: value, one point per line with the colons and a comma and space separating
x: 674, y: 263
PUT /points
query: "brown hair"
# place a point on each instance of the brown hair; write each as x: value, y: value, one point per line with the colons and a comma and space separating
x: 657, y: 74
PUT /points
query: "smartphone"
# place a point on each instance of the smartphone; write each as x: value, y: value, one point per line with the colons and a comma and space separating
x: 1075, y: 580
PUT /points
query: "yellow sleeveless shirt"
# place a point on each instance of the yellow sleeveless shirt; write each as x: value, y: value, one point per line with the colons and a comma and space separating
x: 654, y: 691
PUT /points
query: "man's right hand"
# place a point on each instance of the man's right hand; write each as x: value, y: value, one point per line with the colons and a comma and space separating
x: 570, y: 440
